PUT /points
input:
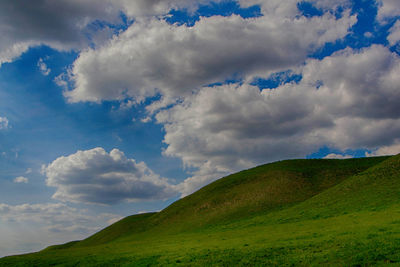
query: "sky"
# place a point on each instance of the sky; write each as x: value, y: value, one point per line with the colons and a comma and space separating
x: 113, y: 108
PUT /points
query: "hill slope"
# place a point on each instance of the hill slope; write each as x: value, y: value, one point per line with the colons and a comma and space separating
x: 241, y: 195
x: 340, y: 212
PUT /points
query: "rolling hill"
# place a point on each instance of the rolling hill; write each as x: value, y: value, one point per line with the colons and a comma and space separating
x: 294, y: 212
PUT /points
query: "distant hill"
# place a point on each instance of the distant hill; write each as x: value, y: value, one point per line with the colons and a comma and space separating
x: 293, y: 212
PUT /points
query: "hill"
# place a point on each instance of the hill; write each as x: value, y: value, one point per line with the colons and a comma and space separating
x: 241, y: 195
x: 298, y: 212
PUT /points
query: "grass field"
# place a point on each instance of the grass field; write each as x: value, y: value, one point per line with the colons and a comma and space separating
x: 297, y: 212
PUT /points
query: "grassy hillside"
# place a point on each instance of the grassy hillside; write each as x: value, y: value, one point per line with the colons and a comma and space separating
x: 242, y: 195
x: 261, y: 190
x: 301, y: 212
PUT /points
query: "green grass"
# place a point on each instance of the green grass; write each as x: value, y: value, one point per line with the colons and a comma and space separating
x: 297, y: 212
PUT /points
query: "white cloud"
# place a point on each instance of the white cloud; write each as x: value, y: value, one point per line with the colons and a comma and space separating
x: 11, y: 51
x: 146, y: 119
x: 58, y: 24
x: 21, y: 179
x: 62, y: 80
x: 3, y: 123
x: 28, y: 171
x: 368, y: 34
x: 95, y: 176
x: 394, y: 36
x: 393, y: 149
x: 52, y: 213
x: 153, y: 57
x: 338, y: 156
x: 62, y: 24
x: 30, y: 227
x: 343, y: 101
x: 43, y: 67
x: 388, y: 9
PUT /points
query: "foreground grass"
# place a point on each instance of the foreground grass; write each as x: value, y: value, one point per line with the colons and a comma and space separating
x: 341, y: 213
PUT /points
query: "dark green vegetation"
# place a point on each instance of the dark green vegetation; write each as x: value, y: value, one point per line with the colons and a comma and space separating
x: 296, y: 212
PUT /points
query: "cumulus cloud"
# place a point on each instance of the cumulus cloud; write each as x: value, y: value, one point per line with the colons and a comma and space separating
x: 337, y: 156
x: 62, y: 24
x: 21, y: 179
x: 393, y: 149
x: 394, y: 33
x: 343, y: 101
x: 146, y: 119
x: 58, y: 24
x: 95, y: 176
x: 153, y: 57
x: 388, y: 9
x: 3, y: 123
x: 10, y: 51
x: 43, y: 67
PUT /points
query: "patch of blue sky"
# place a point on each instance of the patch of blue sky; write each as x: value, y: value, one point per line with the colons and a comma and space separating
x: 325, y: 151
x: 223, y: 8
x: 308, y: 10
x: 366, y: 32
x: 235, y: 79
x: 277, y: 79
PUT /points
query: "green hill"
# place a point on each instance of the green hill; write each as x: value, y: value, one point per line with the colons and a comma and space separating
x: 241, y: 195
x: 295, y: 212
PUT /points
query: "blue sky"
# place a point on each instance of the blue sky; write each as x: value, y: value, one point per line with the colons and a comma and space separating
x: 123, y: 108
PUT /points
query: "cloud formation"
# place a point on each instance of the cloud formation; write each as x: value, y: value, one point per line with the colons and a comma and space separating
x: 338, y: 156
x: 43, y: 67
x: 48, y: 213
x: 393, y: 149
x: 3, y: 123
x: 58, y: 24
x: 62, y: 25
x: 394, y: 34
x: 53, y: 223
x: 21, y: 179
x: 343, y: 101
x: 388, y: 9
x: 152, y: 56
x: 95, y: 176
